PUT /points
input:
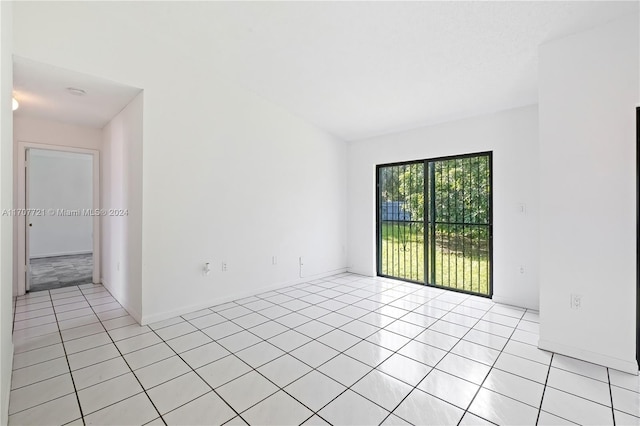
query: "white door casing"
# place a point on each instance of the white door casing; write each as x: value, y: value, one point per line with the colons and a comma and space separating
x: 23, y: 220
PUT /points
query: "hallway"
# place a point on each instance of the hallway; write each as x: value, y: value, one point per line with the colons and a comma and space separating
x: 48, y: 273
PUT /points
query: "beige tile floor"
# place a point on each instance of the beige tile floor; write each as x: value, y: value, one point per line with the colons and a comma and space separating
x: 345, y: 350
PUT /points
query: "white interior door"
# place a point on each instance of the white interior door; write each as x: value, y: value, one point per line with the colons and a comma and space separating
x: 28, y: 222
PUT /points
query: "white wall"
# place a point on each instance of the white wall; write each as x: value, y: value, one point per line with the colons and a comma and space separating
x: 227, y: 175
x: 60, y: 180
x: 6, y: 202
x: 513, y: 137
x: 122, y: 190
x: 588, y: 92
x: 50, y: 132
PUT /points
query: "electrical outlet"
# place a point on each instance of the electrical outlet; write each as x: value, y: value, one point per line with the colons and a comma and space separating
x: 274, y: 260
x: 522, y: 269
x: 224, y: 266
x: 576, y: 301
x: 521, y: 208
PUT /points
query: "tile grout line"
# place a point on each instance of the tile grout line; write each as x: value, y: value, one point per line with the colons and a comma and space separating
x: 334, y: 311
x: 253, y: 369
x: 98, y: 320
x: 70, y: 371
x: 459, y: 339
x: 414, y: 387
x: 613, y: 413
x: 544, y: 389
x: 434, y: 367
x: 392, y: 352
x: 361, y: 339
x: 574, y: 394
x: 316, y: 412
x: 501, y: 351
x: 277, y: 334
x: 15, y: 307
x: 15, y: 314
x: 125, y: 361
x: 78, y: 352
x: 197, y: 374
x: 64, y: 348
x: 332, y: 327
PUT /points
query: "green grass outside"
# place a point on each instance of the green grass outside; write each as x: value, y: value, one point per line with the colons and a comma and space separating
x: 461, y: 262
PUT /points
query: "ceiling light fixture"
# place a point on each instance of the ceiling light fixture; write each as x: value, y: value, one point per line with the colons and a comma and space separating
x: 15, y: 104
x: 75, y: 91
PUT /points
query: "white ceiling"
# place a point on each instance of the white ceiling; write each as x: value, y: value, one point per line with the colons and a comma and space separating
x: 41, y: 90
x: 358, y: 69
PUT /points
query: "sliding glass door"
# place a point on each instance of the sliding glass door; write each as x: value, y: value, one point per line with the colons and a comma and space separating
x: 401, y: 238
x: 434, y: 222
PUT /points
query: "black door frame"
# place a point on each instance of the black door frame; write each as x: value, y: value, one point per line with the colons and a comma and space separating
x: 426, y: 282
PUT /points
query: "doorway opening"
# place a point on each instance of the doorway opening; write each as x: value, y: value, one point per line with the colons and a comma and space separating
x: 67, y: 111
x: 434, y: 222
x: 59, y: 194
x: 60, y: 227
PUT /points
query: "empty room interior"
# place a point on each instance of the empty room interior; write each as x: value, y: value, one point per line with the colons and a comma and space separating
x: 342, y: 213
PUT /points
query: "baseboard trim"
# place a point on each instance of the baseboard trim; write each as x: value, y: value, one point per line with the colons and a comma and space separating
x: 358, y: 272
x: 123, y: 302
x: 512, y: 302
x: 628, y: 366
x: 148, y: 319
x: 7, y: 390
x: 66, y: 253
